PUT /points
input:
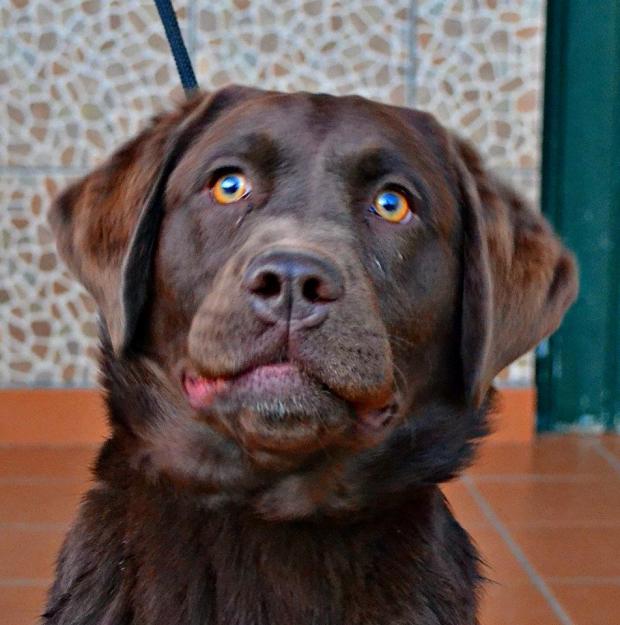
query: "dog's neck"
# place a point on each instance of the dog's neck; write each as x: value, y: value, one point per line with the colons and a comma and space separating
x: 230, y: 566
x: 432, y: 446
x: 380, y: 546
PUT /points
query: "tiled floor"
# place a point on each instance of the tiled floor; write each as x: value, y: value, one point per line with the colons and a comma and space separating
x: 546, y: 517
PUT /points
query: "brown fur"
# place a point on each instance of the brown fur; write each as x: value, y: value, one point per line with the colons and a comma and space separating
x: 263, y: 510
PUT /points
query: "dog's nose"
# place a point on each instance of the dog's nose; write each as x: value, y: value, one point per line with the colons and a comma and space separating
x: 296, y: 287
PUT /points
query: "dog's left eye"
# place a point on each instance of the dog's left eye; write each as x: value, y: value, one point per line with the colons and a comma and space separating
x: 230, y: 188
x: 392, y: 206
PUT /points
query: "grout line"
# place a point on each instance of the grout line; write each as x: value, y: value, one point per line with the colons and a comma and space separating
x: 22, y: 582
x: 510, y: 170
x: 42, y: 170
x: 192, y: 32
x: 585, y: 580
x: 412, y: 65
x: 517, y: 552
x: 604, y: 453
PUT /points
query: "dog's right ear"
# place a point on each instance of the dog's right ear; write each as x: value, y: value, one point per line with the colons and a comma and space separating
x: 106, y: 224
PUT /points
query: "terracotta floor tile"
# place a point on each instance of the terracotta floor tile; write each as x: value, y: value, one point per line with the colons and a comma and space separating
x: 465, y: 508
x: 520, y: 604
x: 41, y: 462
x: 548, y: 455
x: 27, y: 554
x: 501, y: 566
x: 572, y: 551
x: 39, y: 503
x: 587, y: 501
x: 590, y: 604
x: 21, y: 605
x: 612, y: 443
x: 585, y: 492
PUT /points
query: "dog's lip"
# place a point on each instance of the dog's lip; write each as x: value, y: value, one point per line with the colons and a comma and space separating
x: 370, y: 423
x: 277, y: 377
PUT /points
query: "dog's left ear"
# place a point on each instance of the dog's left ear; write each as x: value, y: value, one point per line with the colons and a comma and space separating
x: 106, y: 224
x: 518, y: 278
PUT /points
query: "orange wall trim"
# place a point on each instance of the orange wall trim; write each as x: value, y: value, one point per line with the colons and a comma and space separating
x: 52, y: 417
x: 515, y: 420
x: 77, y: 416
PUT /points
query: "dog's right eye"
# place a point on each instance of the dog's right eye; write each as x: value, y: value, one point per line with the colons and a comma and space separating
x: 230, y: 187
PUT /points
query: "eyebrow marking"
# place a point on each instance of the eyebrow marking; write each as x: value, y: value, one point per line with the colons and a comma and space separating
x: 377, y: 162
x: 373, y: 163
x: 258, y: 148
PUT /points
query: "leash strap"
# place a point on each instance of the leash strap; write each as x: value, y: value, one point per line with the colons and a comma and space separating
x: 177, y: 45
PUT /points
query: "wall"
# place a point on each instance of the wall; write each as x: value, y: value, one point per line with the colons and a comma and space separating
x: 78, y: 77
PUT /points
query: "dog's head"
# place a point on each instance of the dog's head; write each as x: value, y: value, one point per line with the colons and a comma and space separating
x: 305, y: 298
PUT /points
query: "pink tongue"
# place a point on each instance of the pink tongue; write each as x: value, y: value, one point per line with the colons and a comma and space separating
x: 202, y: 391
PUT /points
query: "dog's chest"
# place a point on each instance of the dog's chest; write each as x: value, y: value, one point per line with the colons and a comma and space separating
x: 304, y: 576
x: 240, y: 574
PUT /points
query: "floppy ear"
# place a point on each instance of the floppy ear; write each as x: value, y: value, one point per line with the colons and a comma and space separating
x: 518, y: 278
x: 106, y: 224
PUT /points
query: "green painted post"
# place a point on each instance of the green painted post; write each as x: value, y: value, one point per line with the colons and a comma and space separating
x: 578, y: 370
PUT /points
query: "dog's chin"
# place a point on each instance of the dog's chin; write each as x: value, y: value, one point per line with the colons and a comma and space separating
x: 283, y: 417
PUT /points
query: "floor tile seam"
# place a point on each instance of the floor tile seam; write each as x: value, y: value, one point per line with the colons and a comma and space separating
x: 92, y: 447
x: 583, y: 580
x: 517, y: 478
x: 560, y: 525
x: 36, y: 481
x: 34, y: 527
x: 535, y: 577
x: 608, y: 456
x: 21, y: 582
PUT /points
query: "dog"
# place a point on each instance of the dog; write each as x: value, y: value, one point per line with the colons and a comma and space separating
x: 304, y: 300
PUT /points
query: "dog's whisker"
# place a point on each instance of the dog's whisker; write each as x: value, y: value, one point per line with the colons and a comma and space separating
x: 390, y: 337
x: 403, y: 378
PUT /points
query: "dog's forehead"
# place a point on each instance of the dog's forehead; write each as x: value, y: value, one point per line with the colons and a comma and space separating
x: 304, y: 120
x: 345, y: 139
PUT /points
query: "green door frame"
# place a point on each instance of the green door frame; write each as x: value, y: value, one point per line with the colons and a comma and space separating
x: 578, y: 370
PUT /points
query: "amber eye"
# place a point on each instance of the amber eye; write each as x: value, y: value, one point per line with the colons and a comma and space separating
x: 230, y: 188
x: 392, y: 206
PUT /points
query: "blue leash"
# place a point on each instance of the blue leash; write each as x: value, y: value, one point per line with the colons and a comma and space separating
x: 177, y: 45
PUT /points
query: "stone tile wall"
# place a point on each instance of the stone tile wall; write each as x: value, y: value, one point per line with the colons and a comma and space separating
x: 79, y: 76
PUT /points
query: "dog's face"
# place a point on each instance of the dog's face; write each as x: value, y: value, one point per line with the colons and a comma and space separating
x: 308, y: 257
x: 291, y: 281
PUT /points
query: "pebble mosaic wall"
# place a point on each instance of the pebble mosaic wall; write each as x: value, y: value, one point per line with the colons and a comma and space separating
x: 77, y: 77
x: 48, y: 325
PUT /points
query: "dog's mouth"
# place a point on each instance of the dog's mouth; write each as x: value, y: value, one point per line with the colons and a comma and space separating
x: 274, y: 379
x: 279, y: 409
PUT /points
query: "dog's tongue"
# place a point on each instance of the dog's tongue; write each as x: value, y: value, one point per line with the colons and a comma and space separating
x: 201, y: 391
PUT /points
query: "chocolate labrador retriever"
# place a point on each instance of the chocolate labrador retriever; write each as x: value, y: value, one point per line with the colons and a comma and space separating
x: 304, y: 300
